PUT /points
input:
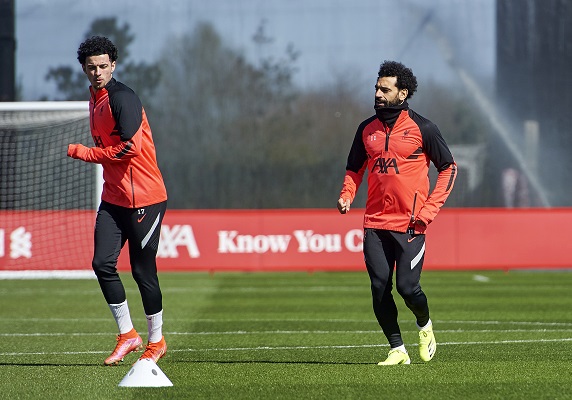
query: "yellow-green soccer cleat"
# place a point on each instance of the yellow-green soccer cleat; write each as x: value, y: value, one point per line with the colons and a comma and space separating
x: 427, y: 344
x: 396, y: 357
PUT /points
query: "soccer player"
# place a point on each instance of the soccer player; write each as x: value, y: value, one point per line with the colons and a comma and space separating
x: 395, y: 146
x: 133, y: 202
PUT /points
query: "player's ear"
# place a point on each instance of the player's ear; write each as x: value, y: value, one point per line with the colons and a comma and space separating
x: 112, y: 66
x: 403, y: 94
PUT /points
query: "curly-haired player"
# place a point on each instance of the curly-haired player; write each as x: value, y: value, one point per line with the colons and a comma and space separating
x: 395, y: 146
x: 134, y: 198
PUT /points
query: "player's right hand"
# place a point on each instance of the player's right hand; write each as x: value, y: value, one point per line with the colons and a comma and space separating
x: 343, y: 206
x: 77, y: 151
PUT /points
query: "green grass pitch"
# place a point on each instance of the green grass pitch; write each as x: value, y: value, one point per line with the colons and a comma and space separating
x: 294, y: 336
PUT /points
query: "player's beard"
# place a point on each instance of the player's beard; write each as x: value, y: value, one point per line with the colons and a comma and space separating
x: 388, y: 103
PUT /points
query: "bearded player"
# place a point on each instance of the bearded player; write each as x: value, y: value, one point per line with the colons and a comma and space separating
x: 395, y: 147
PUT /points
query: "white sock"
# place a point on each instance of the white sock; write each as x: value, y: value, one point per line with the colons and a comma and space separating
x: 400, y: 348
x: 122, y: 317
x: 154, y: 327
x: 429, y: 324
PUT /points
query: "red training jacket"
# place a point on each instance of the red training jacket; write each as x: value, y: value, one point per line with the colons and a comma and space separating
x: 124, y: 147
x: 396, y: 146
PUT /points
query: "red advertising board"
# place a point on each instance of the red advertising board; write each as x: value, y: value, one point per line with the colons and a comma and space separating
x: 278, y: 240
x: 262, y: 240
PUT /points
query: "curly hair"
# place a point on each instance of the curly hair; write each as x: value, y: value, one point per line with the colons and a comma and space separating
x: 95, y: 46
x: 405, y: 77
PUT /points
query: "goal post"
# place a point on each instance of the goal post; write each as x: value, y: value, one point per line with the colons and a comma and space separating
x: 47, y: 199
x: 20, y: 120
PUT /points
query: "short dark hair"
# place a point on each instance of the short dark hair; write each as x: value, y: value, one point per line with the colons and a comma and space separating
x: 96, y: 46
x: 405, y: 77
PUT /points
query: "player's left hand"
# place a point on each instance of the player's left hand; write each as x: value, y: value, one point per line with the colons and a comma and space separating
x: 419, y: 226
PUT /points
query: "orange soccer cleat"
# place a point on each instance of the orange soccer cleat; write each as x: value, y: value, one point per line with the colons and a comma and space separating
x: 154, y: 351
x: 126, y: 343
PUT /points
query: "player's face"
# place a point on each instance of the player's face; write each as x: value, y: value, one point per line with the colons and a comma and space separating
x: 98, y: 70
x: 387, y: 94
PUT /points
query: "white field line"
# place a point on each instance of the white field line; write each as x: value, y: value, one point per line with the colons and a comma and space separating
x: 284, y: 332
x: 198, y: 290
x: 324, y: 320
x: 369, y: 345
x: 279, y: 348
x: 532, y: 323
x: 270, y: 289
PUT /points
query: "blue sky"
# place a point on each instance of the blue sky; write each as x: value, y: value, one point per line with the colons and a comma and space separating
x: 333, y: 37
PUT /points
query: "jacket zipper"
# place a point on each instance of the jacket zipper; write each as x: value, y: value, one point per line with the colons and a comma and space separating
x: 387, y: 134
x: 132, y: 185
x: 411, y: 229
x: 92, y: 119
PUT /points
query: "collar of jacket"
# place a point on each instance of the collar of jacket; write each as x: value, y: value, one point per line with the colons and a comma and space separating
x: 389, y: 115
x: 97, y: 95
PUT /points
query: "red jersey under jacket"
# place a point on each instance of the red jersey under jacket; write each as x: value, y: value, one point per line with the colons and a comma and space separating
x: 124, y: 147
x: 396, y: 146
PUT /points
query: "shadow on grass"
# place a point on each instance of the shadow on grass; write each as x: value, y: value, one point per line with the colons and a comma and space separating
x: 179, y: 361
x: 269, y: 362
x: 43, y: 364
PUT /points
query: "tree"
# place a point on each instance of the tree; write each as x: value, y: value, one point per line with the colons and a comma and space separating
x: 141, y: 77
x: 235, y: 133
x: 213, y: 110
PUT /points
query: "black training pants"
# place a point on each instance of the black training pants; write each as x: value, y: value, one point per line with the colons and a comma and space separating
x: 141, y: 227
x: 385, y: 251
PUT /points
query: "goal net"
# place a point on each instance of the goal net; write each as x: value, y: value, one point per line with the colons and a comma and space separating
x: 47, y: 199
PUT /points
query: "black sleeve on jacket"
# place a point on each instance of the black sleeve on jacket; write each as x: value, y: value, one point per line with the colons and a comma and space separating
x: 127, y: 111
x: 358, y: 155
x: 433, y: 143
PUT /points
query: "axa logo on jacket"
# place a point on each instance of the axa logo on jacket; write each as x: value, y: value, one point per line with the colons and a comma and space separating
x: 381, y: 165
